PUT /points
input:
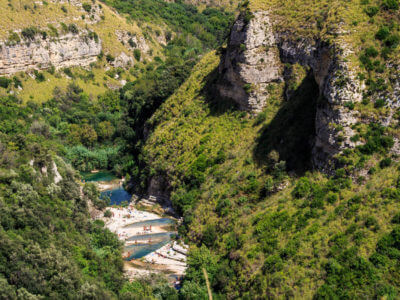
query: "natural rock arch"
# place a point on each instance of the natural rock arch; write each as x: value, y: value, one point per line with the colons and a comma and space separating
x: 254, y: 59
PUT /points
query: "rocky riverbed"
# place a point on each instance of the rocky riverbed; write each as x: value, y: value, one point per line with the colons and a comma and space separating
x: 150, y: 240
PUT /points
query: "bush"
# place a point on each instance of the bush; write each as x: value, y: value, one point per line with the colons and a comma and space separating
x: 386, y: 52
x: 376, y: 141
x: 269, y: 186
x: 382, y: 33
x: 39, y: 76
x: 5, y: 82
x: 247, y: 88
x: 13, y: 38
x: 17, y: 82
x: 392, y: 41
x: 107, y: 213
x: 390, y: 4
x: 371, y: 11
x: 370, y: 222
x: 137, y: 54
x: 379, y: 103
x: 93, y: 36
x: 332, y: 197
x: 371, y: 52
x: 210, y: 235
x: 261, y: 117
x: 302, y: 189
x: 396, y: 218
x: 53, y: 30
x: 349, y: 104
x: 132, y: 43
x: 386, y: 162
x: 110, y: 58
x: 29, y: 33
x: 73, y: 28
x: 87, y: 7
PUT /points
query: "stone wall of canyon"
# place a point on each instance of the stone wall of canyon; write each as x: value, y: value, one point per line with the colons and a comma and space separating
x: 65, y: 51
x: 255, y: 58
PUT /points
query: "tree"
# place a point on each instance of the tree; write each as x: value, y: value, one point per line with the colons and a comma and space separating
x: 88, y: 135
x: 105, y: 130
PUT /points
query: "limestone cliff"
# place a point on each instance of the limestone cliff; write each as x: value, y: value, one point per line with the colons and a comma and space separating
x: 255, y: 58
x: 65, y: 51
x: 250, y: 63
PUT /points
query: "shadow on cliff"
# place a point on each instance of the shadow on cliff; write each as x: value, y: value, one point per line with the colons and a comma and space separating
x: 218, y: 105
x: 292, y: 131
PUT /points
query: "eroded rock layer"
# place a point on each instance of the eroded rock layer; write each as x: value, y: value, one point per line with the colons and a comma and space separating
x: 255, y: 58
x: 65, y: 51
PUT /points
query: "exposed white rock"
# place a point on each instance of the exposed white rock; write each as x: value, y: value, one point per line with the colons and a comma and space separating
x: 65, y: 51
x: 132, y: 41
x: 123, y: 61
x: 251, y: 62
x: 57, y: 175
x: 254, y: 59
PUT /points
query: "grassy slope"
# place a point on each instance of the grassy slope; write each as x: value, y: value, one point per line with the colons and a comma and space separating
x: 42, y: 91
x: 16, y: 17
x: 188, y: 127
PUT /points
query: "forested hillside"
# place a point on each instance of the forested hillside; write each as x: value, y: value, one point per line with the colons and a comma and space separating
x: 300, y: 200
x: 272, y: 129
x: 56, y: 122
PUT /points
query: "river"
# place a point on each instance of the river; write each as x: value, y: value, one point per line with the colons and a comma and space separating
x: 150, y: 239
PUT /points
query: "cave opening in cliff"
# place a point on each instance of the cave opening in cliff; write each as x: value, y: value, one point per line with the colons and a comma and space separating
x: 291, y: 133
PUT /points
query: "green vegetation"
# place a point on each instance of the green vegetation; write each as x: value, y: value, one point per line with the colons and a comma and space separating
x: 259, y: 219
x: 44, y: 227
x: 49, y: 247
x: 209, y: 26
x: 259, y: 230
x: 142, y: 97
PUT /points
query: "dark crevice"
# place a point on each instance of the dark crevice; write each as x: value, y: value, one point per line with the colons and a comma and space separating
x: 292, y: 131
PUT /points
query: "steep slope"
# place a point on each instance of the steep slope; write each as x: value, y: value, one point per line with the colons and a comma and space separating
x: 321, y: 93
x: 71, y: 41
x: 67, y: 113
x: 266, y: 40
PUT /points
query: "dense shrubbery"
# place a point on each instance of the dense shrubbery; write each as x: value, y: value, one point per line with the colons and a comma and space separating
x: 86, y: 160
x: 209, y: 26
x: 44, y: 228
x: 5, y: 82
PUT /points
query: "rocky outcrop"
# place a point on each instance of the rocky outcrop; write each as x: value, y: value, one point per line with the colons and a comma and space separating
x: 94, y: 15
x: 65, y: 51
x: 123, y: 61
x: 254, y: 59
x: 159, y: 188
x: 250, y: 63
x: 132, y: 41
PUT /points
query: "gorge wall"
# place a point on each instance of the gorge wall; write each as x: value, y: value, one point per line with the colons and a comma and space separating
x: 64, y: 51
x: 255, y: 58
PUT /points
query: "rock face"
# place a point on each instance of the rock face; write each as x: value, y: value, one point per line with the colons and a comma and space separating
x: 158, y: 188
x: 123, y: 61
x: 254, y: 59
x: 132, y: 41
x: 250, y: 63
x: 65, y: 51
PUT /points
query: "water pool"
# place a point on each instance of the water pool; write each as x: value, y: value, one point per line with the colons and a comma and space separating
x: 116, y: 196
x: 140, y: 250
x: 156, y: 222
x: 99, y: 176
